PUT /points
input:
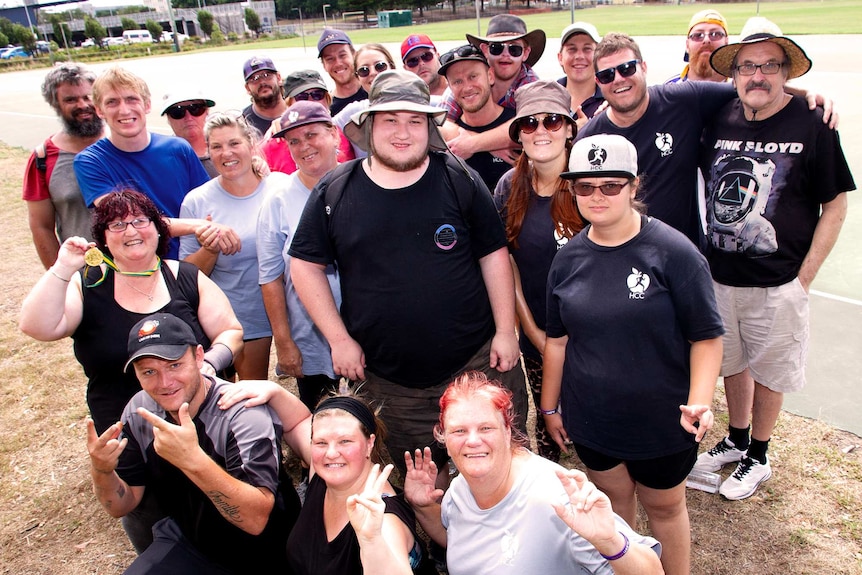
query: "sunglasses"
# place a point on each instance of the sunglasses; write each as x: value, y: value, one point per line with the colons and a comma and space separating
x: 380, y: 66
x: 178, y: 112
x: 551, y: 122
x: 315, y: 94
x: 750, y: 69
x: 714, y: 35
x: 610, y: 189
x: 414, y: 61
x: 626, y: 69
x: 496, y: 48
x: 260, y: 76
x: 465, y: 51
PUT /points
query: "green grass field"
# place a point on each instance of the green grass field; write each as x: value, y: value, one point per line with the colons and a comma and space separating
x: 794, y: 18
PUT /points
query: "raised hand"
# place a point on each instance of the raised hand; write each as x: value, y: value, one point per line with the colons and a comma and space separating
x: 105, y: 449
x: 365, y: 510
x: 419, y: 483
x: 589, y: 512
x: 176, y: 444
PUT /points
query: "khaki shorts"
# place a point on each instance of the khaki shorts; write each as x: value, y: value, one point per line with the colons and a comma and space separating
x: 410, y: 414
x: 766, y: 331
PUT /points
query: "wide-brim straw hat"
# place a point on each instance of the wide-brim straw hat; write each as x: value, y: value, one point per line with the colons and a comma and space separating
x: 507, y: 28
x: 759, y: 29
x: 397, y: 91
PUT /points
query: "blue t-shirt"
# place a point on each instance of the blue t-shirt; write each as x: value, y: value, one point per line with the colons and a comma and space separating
x: 164, y: 171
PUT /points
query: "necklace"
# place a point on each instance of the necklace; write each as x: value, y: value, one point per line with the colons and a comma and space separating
x: 149, y: 296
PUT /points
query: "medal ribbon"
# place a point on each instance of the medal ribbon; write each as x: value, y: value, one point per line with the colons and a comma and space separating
x: 109, y: 263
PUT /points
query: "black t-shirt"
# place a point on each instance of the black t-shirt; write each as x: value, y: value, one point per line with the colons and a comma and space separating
x: 489, y: 166
x: 259, y: 122
x: 413, y: 295
x: 630, y: 312
x: 310, y: 553
x: 338, y: 104
x: 667, y: 138
x: 538, y: 243
x: 765, y: 183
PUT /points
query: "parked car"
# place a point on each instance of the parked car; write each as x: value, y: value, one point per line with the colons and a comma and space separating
x: 137, y: 37
x: 43, y: 47
x: 17, y: 52
x: 168, y: 37
x: 88, y: 43
x: 113, y: 41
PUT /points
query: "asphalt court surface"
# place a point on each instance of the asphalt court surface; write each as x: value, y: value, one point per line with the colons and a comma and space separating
x: 834, y: 390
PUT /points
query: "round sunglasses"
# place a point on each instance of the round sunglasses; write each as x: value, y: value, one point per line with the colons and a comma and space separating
x: 426, y: 57
x: 178, y: 112
x: 551, y: 122
x: 626, y: 69
x: 364, y: 71
x: 496, y: 48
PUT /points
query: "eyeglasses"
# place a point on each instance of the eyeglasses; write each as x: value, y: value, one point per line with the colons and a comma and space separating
x: 137, y: 223
x: 461, y: 52
x: 426, y: 57
x: 178, y: 112
x: 260, y: 76
x: 610, y: 189
x: 714, y: 35
x: 315, y: 94
x: 768, y: 69
x: 626, y: 69
x: 551, y: 122
x: 364, y: 71
x: 496, y: 48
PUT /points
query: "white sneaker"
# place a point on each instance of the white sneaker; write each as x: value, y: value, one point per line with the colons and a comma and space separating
x: 723, y: 453
x: 743, y: 482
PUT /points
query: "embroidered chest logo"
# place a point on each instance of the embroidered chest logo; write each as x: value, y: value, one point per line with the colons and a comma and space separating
x: 664, y: 143
x: 637, y: 282
x: 445, y: 237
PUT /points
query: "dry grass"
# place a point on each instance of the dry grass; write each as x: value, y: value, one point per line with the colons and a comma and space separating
x: 807, y: 519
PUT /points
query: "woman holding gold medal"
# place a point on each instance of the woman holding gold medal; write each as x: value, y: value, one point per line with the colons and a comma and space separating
x: 97, y: 297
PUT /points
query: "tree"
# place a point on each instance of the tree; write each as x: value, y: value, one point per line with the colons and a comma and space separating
x: 93, y: 29
x: 128, y: 24
x: 19, y: 34
x: 62, y: 32
x: 217, y: 37
x: 155, y: 30
x: 252, y: 20
x: 205, y: 19
x: 4, y: 39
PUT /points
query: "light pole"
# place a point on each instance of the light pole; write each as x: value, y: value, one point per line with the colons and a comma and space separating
x: 301, y: 30
x: 325, y: 6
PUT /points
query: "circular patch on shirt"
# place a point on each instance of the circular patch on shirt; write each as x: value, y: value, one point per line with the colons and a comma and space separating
x: 445, y: 237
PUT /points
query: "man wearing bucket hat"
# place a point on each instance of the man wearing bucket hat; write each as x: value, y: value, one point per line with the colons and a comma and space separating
x: 776, y: 183
x: 187, y: 112
x: 425, y: 277
x: 707, y: 31
x: 263, y: 85
x: 665, y: 123
x: 216, y: 472
x: 472, y: 78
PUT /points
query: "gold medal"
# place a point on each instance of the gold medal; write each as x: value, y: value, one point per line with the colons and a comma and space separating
x: 93, y: 257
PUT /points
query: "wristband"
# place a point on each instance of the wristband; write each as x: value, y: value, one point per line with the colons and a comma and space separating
x: 219, y: 356
x: 621, y: 553
x: 58, y: 276
x: 547, y: 411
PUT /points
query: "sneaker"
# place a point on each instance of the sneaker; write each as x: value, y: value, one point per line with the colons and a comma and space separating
x: 723, y: 453
x: 743, y: 482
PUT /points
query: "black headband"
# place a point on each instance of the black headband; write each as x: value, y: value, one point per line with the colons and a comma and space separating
x: 352, y: 406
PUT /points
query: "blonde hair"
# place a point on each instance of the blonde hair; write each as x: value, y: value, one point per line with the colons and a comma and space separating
x: 116, y: 78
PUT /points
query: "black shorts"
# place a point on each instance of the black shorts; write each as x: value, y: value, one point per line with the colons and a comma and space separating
x: 658, y: 473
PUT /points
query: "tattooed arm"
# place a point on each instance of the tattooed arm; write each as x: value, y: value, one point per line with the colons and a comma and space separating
x: 115, y: 495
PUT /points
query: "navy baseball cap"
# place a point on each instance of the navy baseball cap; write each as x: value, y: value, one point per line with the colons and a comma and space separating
x: 256, y: 64
x: 331, y: 36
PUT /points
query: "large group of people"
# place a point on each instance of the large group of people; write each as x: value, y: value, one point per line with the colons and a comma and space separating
x: 425, y: 247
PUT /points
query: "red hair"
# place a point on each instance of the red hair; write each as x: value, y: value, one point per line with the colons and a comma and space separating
x: 475, y: 384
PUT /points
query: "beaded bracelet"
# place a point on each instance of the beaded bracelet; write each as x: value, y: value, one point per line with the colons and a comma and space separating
x: 621, y: 553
